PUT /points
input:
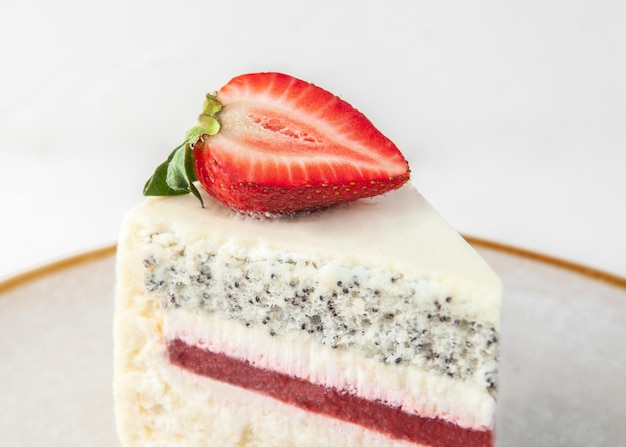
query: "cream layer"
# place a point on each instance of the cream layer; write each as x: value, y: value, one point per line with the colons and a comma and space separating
x: 417, y: 392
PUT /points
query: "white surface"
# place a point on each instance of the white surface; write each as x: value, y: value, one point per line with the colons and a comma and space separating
x: 512, y: 114
x: 561, y: 381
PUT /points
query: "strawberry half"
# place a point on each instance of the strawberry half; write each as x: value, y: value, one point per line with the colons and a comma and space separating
x: 271, y: 143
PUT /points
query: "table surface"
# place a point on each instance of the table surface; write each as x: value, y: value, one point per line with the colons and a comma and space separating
x: 512, y: 114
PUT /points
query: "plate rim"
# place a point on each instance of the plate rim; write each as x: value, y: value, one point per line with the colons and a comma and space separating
x: 92, y: 255
x: 555, y: 261
x: 52, y: 267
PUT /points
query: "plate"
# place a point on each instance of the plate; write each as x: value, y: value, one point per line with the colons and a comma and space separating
x: 562, y: 369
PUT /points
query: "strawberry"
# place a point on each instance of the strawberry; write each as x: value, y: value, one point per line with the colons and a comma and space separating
x: 270, y: 143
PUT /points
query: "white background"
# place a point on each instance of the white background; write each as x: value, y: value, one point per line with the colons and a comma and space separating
x: 512, y: 114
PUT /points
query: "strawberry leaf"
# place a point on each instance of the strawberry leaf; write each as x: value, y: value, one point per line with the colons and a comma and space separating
x: 176, y: 175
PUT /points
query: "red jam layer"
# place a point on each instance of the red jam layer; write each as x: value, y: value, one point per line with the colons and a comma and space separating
x: 327, y: 401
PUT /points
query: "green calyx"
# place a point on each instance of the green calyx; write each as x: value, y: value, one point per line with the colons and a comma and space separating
x: 176, y: 175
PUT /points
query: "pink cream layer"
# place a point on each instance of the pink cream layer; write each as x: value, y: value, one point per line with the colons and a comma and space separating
x: 331, y: 402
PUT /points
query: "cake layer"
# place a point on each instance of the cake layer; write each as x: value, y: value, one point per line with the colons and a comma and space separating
x: 416, y: 391
x: 373, y: 415
x: 397, y: 232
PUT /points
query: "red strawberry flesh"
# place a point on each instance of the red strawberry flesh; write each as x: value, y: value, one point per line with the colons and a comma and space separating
x: 287, y: 146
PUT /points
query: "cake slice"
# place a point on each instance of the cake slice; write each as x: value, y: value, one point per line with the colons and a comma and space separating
x: 371, y: 322
x: 367, y: 324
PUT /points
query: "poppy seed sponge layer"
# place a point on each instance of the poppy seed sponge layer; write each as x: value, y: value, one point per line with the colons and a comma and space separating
x: 379, y: 301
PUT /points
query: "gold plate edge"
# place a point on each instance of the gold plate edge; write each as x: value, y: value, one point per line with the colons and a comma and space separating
x: 50, y: 268
x: 590, y: 272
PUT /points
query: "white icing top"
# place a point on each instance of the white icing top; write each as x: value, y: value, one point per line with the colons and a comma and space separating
x: 399, y: 231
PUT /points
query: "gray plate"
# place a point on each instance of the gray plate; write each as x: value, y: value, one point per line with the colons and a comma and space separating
x: 562, y: 369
